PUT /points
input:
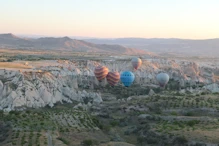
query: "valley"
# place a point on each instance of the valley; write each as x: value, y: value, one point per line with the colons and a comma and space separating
x: 51, y: 100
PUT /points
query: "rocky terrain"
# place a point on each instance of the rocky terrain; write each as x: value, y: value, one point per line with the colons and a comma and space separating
x: 72, y: 80
x: 60, y: 102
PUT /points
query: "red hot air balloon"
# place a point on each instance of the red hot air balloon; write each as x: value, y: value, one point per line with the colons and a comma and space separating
x: 113, y: 78
x: 101, y: 72
x: 136, y: 62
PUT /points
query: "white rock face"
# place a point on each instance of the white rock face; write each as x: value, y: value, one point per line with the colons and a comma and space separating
x: 63, y: 82
x: 1, y: 89
x: 38, y: 89
x: 182, y: 71
x: 214, y: 88
x: 151, y: 92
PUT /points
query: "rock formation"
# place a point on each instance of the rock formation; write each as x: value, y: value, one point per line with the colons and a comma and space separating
x: 74, y: 81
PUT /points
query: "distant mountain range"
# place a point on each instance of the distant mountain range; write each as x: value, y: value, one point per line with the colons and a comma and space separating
x: 63, y: 43
x: 171, y: 46
x: 207, y: 47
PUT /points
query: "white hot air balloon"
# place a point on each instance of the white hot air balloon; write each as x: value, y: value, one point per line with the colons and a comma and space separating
x: 162, y: 79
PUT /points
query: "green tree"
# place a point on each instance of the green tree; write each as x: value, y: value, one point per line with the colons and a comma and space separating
x: 1, y: 114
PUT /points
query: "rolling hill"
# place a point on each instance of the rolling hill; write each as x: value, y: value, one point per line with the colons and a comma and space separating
x: 63, y: 43
x: 206, y: 47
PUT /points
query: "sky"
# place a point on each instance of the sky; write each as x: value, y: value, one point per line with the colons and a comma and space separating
x: 192, y: 19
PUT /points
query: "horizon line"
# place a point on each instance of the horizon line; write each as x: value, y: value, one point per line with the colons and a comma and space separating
x: 90, y: 37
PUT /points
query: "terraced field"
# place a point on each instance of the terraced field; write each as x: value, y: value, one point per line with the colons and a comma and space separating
x: 32, y: 127
x: 169, y: 118
x: 126, y: 117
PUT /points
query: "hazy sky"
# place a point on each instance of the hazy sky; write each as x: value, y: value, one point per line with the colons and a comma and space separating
x: 112, y: 18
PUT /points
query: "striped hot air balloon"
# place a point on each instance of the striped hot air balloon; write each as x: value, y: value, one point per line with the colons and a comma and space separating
x: 113, y: 78
x: 136, y: 62
x: 101, y: 72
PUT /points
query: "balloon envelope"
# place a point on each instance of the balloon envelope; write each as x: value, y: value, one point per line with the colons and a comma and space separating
x: 101, y: 72
x: 162, y: 79
x: 113, y: 78
x: 127, y: 78
x: 136, y: 62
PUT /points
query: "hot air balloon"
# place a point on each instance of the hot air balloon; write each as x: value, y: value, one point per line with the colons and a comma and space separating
x: 136, y: 62
x: 69, y: 68
x: 113, y: 78
x: 162, y: 79
x: 101, y: 72
x: 127, y: 78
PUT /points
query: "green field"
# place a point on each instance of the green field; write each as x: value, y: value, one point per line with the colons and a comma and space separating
x: 167, y: 117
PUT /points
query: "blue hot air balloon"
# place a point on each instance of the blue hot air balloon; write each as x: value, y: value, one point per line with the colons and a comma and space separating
x: 162, y: 79
x: 127, y: 78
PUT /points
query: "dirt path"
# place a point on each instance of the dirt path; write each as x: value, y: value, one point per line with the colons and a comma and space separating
x: 49, y: 138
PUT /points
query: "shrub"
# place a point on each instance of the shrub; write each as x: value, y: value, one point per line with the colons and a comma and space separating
x: 24, y: 115
x: 97, y: 122
x: 174, y: 113
x: 13, y: 142
x: 178, y: 94
x: 180, y: 140
x: 192, y: 122
x: 189, y: 114
x: 200, y: 144
x: 4, y: 130
x: 63, y: 140
x: 152, y: 140
x: 114, y: 123
x: 28, y: 112
x: 106, y: 128
x: 89, y: 142
x: 14, y: 112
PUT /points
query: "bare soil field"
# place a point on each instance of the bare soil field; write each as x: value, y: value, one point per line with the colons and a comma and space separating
x: 14, y: 65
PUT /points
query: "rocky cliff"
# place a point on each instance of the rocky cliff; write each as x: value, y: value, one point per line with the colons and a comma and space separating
x: 70, y: 81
